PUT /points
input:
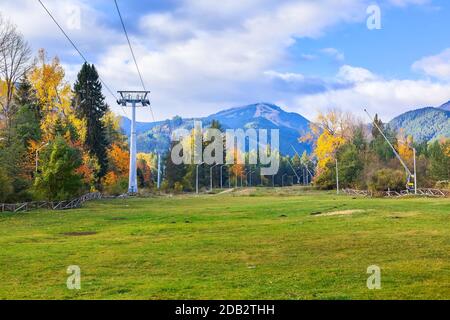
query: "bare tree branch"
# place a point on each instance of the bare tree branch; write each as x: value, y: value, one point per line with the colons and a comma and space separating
x: 15, y: 55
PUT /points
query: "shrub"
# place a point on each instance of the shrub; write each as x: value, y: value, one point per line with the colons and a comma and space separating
x: 385, y: 179
x: 118, y: 187
x: 445, y: 184
x: 178, y: 187
x: 326, y: 178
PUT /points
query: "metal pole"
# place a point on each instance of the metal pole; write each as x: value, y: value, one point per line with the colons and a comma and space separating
x: 221, y: 175
x: 337, y: 177
x: 415, y: 174
x: 211, y: 177
x: 132, y: 182
x: 159, y: 171
x: 196, y: 180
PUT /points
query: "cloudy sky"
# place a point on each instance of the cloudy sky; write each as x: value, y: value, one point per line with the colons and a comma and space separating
x: 201, y: 56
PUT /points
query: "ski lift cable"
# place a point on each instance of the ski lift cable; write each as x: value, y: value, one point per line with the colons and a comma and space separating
x: 132, y: 54
x: 79, y: 52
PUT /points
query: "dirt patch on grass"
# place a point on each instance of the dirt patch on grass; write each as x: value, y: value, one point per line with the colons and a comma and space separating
x: 245, y: 192
x: 79, y: 233
x: 225, y: 191
x: 117, y: 219
x: 340, y: 213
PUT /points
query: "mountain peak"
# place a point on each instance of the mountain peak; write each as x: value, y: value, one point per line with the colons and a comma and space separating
x: 263, y: 108
x: 265, y: 114
x: 445, y: 106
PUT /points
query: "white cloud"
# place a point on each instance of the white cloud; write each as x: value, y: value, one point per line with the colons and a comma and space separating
x: 388, y: 98
x: 164, y: 27
x: 38, y: 28
x: 288, y: 76
x: 334, y: 53
x: 354, y: 74
x: 437, y: 66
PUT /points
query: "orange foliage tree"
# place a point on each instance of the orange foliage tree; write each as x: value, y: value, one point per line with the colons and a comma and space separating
x: 119, y: 164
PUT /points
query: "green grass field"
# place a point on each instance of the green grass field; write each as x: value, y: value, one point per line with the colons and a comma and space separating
x: 249, y: 244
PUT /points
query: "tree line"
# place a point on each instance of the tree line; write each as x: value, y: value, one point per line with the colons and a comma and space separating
x: 358, y: 151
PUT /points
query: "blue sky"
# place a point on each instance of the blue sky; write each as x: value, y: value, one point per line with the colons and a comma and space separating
x: 201, y: 56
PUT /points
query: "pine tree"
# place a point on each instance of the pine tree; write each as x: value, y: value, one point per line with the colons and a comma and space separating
x: 173, y: 173
x: 25, y: 95
x: 26, y: 123
x: 377, y: 123
x: 90, y: 104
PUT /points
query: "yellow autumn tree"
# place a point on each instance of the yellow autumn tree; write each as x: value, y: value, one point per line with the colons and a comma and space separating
x: 405, y: 146
x: 447, y: 149
x: 237, y: 169
x: 145, y: 163
x: 330, y: 130
x: 55, y: 97
x: 149, y: 158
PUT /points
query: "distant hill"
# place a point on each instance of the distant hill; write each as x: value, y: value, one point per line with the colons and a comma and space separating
x: 425, y: 124
x: 125, y: 124
x: 156, y: 136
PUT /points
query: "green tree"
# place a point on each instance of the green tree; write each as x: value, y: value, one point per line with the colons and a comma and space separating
x: 439, y: 160
x: 58, y: 179
x: 90, y: 104
x: 380, y: 147
x: 377, y: 123
x: 359, y: 138
x: 25, y: 95
x: 26, y: 126
x: 173, y: 173
x: 350, y: 165
x: 6, y: 187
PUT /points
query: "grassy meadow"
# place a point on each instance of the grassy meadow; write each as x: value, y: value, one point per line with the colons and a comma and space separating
x: 248, y: 244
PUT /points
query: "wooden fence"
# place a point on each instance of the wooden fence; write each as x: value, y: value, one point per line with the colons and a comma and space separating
x: 51, y: 205
x: 425, y: 192
x: 354, y: 192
